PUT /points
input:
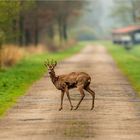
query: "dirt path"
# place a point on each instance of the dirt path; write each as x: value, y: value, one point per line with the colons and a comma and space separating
x: 116, y: 115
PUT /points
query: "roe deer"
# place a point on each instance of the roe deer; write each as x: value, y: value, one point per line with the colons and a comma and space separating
x: 79, y: 80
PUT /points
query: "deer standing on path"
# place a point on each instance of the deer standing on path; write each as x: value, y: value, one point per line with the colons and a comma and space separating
x: 79, y: 80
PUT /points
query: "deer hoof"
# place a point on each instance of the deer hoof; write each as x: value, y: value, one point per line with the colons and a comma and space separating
x: 92, y: 108
x: 60, y: 109
x: 76, y: 108
x: 71, y: 108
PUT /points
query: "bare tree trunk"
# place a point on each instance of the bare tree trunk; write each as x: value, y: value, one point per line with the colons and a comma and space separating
x: 60, y: 29
x: 21, y: 25
x: 14, y: 30
x: 27, y: 37
x: 134, y: 16
x: 21, y: 30
x: 65, y: 35
x: 36, y: 37
x: 51, y: 32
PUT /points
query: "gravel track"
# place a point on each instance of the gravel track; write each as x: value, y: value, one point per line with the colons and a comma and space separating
x: 117, y: 109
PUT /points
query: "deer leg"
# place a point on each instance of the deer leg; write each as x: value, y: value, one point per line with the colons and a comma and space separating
x: 67, y: 92
x: 62, y: 96
x: 92, y: 94
x: 82, y: 96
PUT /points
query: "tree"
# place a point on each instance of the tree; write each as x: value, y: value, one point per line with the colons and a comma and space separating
x: 8, y: 15
x: 135, y: 10
x: 24, y: 22
x: 52, y: 14
x: 30, y: 19
x: 126, y: 12
x: 25, y: 8
x: 67, y: 10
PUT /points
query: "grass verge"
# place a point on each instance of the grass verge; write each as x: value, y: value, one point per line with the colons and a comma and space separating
x: 127, y: 61
x: 16, y: 80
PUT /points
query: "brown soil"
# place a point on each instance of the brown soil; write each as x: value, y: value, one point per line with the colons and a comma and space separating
x: 117, y: 109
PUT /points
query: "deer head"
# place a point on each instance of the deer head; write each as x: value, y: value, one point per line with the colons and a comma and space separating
x: 50, y: 65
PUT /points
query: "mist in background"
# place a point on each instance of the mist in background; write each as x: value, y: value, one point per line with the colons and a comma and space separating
x: 101, y: 17
x: 96, y: 23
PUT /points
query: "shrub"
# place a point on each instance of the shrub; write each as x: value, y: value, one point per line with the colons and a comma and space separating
x: 10, y: 55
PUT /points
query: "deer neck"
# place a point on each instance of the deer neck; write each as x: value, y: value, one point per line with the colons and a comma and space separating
x: 53, y: 77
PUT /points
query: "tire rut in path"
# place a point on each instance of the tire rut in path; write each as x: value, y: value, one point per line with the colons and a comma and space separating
x: 117, y: 109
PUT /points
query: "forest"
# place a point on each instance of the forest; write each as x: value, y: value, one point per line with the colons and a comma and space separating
x: 24, y: 22
x: 32, y: 22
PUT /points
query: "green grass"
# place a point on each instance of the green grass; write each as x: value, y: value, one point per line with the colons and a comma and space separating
x: 127, y: 61
x: 16, y: 80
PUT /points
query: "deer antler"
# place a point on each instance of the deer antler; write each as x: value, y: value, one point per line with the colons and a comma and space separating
x: 47, y: 63
x: 53, y: 63
x: 50, y: 63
